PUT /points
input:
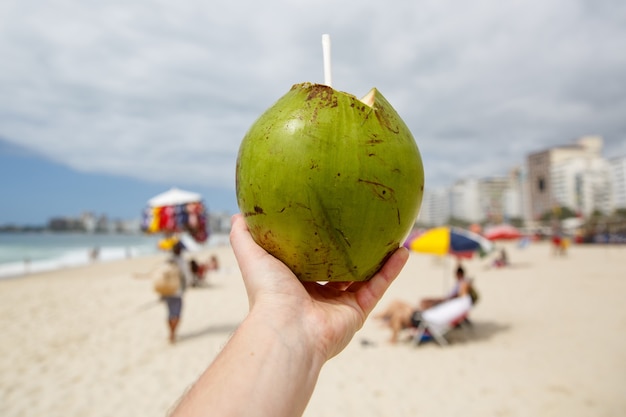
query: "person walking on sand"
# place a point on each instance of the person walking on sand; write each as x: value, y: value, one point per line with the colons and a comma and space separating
x: 175, y: 301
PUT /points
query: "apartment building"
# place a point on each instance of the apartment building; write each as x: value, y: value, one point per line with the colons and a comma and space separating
x: 542, y: 165
x: 583, y: 185
x: 465, y: 201
x: 435, y: 209
x: 618, y: 176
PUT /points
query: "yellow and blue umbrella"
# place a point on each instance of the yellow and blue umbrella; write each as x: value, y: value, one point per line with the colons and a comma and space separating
x: 449, y: 240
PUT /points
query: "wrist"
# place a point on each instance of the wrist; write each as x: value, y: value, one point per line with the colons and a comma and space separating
x: 265, y: 351
x: 286, y: 329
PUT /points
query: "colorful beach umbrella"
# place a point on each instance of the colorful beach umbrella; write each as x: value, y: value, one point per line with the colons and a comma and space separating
x: 449, y: 240
x: 502, y: 232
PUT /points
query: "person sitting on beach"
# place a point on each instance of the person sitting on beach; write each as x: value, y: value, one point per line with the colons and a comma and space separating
x: 199, y: 270
x: 461, y: 287
x: 502, y: 260
x: 270, y: 365
x: 213, y: 264
x: 400, y: 315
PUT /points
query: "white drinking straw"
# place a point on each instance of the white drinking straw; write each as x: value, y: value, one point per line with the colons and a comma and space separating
x: 328, y: 79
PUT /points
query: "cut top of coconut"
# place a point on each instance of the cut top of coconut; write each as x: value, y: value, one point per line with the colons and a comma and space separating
x: 369, y: 98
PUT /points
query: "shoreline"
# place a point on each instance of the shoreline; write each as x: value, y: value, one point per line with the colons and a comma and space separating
x: 80, y: 257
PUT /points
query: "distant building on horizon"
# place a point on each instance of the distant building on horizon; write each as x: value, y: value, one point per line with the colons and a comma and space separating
x: 574, y: 175
x: 87, y: 222
x: 514, y: 196
x: 618, y: 173
x: 435, y: 209
x: 65, y: 224
x: 465, y: 201
x: 584, y: 185
x: 491, y: 197
x: 219, y: 222
x: 549, y: 171
x: 490, y: 200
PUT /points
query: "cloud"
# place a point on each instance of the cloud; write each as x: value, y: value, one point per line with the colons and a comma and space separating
x: 162, y: 91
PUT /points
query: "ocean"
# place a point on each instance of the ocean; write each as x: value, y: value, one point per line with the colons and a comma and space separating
x: 24, y: 253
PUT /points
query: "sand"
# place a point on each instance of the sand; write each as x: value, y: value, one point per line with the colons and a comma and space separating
x: 548, y: 340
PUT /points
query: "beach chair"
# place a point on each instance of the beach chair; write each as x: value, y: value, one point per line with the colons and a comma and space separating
x: 437, y: 321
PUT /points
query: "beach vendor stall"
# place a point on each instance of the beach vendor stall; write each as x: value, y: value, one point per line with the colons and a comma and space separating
x: 175, y: 212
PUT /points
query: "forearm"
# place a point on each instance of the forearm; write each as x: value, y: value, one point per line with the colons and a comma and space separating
x: 264, y: 370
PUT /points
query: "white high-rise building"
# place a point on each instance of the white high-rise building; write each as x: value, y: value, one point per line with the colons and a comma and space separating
x: 618, y: 174
x: 465, y: 201
x: 491, y: 196
x: 512, y: 203
x: 435, y: 210
x: 583, y: 184
x: 515, y: 196
x: 542, y: 165
x: 492, y: 199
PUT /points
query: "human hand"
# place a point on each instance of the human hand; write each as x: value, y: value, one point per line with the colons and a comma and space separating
x: 274, y: 358
x: 323, y: 317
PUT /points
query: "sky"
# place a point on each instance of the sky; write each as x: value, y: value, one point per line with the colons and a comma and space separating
x: 105, y: 104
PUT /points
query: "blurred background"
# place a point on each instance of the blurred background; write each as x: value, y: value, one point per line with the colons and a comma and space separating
x: 103, y: 105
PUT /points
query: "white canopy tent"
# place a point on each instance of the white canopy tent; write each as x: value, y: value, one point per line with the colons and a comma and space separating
x: 173, y: 197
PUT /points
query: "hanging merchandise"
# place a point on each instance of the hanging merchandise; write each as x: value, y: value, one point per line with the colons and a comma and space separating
x: 176, y: 211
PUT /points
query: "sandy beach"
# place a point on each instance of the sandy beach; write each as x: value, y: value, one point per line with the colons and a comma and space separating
x: 549, y: 339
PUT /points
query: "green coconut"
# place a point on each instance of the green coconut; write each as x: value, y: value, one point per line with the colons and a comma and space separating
x: 329, y: 184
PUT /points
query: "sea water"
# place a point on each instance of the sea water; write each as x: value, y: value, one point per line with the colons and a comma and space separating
x: 23, y: 253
